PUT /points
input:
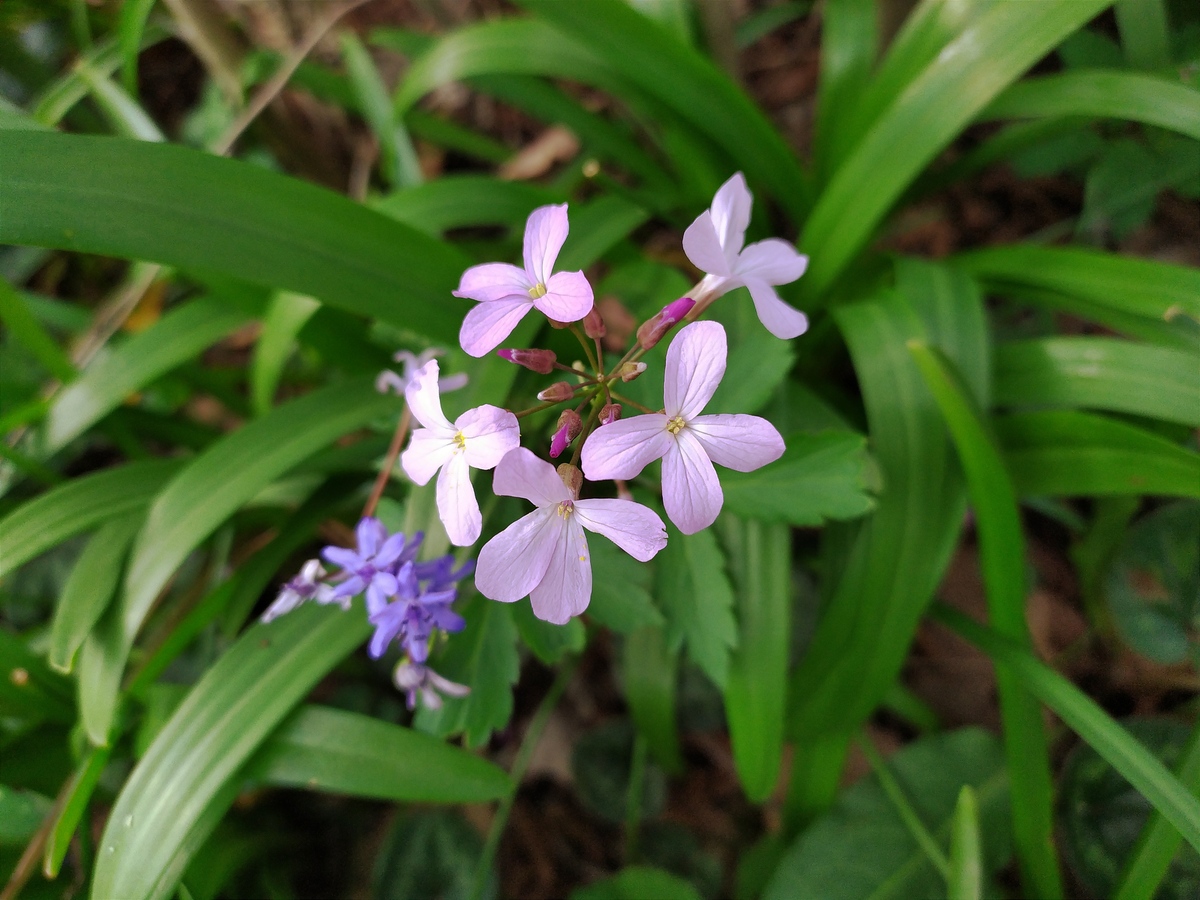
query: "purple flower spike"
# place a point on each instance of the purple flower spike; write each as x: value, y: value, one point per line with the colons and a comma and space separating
x: 424, y: 592
x: 505, y: 293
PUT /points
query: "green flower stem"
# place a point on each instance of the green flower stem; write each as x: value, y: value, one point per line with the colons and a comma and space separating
x: 633, y: 800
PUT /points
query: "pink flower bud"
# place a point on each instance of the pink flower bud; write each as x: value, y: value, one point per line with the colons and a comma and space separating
x: 540, y: 361
x: 610, y: 413
x: 631, y: 370
x: 593, y: 325
x: 572, y: 478
x: 569, y: 426
x: 654, y: 328
x: 557, y: 392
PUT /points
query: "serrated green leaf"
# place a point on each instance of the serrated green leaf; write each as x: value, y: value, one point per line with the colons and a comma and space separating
x: 188, y: 209
x: 341, y: 752
x: 822, y: 475
x: 621, y: 590
x: 697, y: 599
x: 549, y: 642
x: 483, y: 656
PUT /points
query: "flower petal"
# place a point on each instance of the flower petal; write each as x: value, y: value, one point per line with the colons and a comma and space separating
x: 740, y: 442
x: 731, y: 214
x: 423, y: 397
x: 457, y: 507
x: 428, y: 450
x: 513, y: 562
x: 566, y: 588
x: 369, y: 533
x: 487, y: 324
x: 703, y: 246
x: 490, y: 433
x: 493, y: 281
x: 390, y: 551
x: 634, y: 528
x: 545, y: 231
x: 625, y: 447
x: 695, y: 366
x: 340, y: 556
x: 568, y: 297
x: 774, y: 261
x: 780, y: 319
x: 521, y: 474
x: 691, y: 492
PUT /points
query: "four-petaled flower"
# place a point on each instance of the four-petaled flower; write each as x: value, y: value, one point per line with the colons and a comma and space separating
x: 714, y: 244
x: 505, y: 293
x: 545, y: 553
x: 410, y: 363
x: 687, y: 442
x: 372, y: 566
x: 478, y: 439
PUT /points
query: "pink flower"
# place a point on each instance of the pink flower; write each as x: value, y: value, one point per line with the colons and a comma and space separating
x: 478, y: 439
x: 687, y: 442
x: 545, y: 554
x: 714, y: 244
x: 506, y: 293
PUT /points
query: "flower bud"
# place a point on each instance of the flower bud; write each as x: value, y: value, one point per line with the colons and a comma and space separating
x: 654, y: 328
x: 593, y: 325
x: 571, y: 477
x: 569, y: 426
x: 631, y: 370
x: 610, y: 413
x: 557, y: 392
x: 540, y: 361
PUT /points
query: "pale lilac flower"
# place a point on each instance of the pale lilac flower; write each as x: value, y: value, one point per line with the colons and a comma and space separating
x: 370, y: 568
x: 687, y: 442
x: 305, y: 586
x: 545, y: 554
x: 418, y: 679
x: 505, y: 293
x: 714, y: 244
x: 477, y: 439
x: 387, y: 380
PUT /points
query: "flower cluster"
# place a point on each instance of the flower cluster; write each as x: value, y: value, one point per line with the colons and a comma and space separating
x: 544, y: 555
x: 407, y: 601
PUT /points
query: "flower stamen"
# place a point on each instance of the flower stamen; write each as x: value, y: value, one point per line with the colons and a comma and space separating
x: 565, y: 508
x: 675, y: 425
x: 460, y: 441
x: 538, y: 291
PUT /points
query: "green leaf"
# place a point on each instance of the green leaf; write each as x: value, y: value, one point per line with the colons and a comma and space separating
x: 966, y: 851
x: 1100, y: 373
x: 682, y: 79
x: 430, y: 853
x: 194, y: 211
x: 638, y: 883
x: 849, y: 42
x: 1090, y: 722
x: 175, y: 338
x: 398, y: 159
x: 1159, y: 842
x: 756, y: 691
x: 756, y: 367
x: 698, y: 601
x: 1140, y: 287
x: 621, y: 591
x: 131, y: 24
x: 1102, y: 93
x: 188, y: 778
x: 30, y: 688
x: 483, y: 656
x: 861, y: 849
x: 988, y: 54
x: 21, y: 813
x: 341, y: 752
x: 121, y: 110
x: 211, y: 488
x: 1002, y: 559
x: 459, y: 201
x: 286, y: 315
x: 650, y: 670
x: 78, y: 795
x: 549, y: 643
x: 92, y: 584
x: 1145, y: 32
x: 1075, y: 454
x: 80, y: 504
x: 24, y: 328
x: 822, y: 475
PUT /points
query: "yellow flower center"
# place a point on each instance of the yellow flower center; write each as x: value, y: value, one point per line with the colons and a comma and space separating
x: 565, y: 508
x: 460, y: 440
x: 675, y: 425
x: 537, y: 291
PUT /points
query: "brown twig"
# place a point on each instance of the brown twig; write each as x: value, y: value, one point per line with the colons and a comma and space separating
x: 389, y: 463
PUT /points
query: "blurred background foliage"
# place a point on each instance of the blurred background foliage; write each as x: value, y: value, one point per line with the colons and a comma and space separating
x: 993, y: 418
